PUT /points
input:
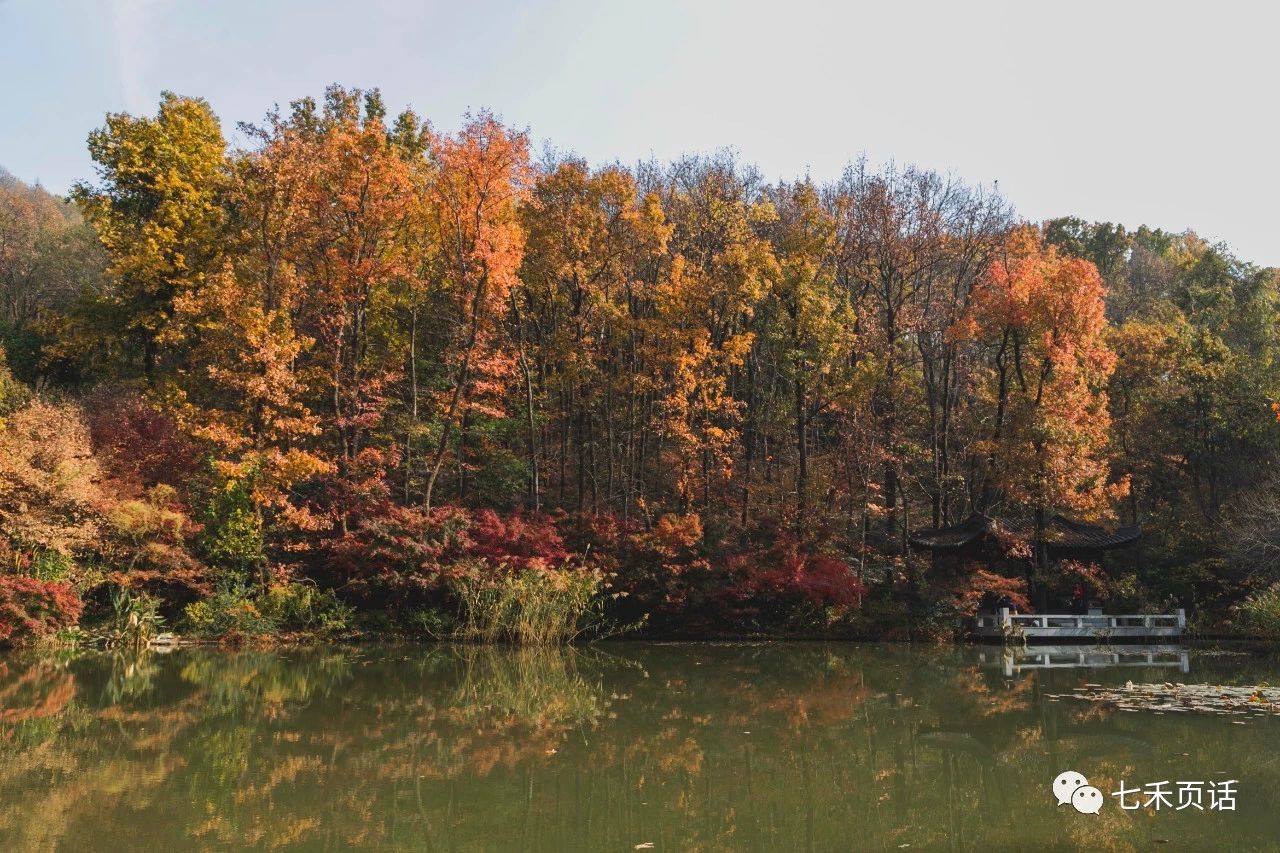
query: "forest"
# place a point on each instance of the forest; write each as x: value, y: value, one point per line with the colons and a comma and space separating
x: 357, y: 376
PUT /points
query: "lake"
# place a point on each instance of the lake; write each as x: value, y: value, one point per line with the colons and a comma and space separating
x: 622, y: 746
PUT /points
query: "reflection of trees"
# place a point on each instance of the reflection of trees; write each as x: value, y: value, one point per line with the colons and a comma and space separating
x: 264, y: 681
x: 34, y: 692
x: 690, y: 747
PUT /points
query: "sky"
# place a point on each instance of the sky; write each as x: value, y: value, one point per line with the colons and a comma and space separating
x: 1158, y: 113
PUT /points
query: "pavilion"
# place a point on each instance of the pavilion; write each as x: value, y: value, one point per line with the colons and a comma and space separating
x: 992, y: 540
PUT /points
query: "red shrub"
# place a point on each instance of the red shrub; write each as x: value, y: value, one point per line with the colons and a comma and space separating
x: 397, y: 550
x: 141, y: 444
x: 398, y: 558
x: 786, y: 571
x: 604, y: 537
x: 31, y: 608
x: 518, y: 540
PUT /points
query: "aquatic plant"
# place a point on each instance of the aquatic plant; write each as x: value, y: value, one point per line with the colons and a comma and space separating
x: 531, y: 606
x: 134, y: 622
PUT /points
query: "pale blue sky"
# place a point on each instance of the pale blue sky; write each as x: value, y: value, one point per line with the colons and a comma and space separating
x: 1162, y: 113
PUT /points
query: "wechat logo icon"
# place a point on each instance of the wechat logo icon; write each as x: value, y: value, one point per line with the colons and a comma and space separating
x: 1071, y: 787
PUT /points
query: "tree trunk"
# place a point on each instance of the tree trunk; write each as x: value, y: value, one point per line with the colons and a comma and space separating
x: 802, y: 461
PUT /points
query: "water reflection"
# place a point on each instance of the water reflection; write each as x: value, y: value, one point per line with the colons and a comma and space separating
x: 1016, y: 659
x: 814, y: 747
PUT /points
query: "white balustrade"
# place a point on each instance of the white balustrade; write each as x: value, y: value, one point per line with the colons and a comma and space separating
x: 1049, y: 625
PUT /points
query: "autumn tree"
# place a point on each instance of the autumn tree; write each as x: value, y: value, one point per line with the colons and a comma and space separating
x: 890, y: 238
x: 158, y: 212
x: 480, y: 175
x: 247, y: 393
x: 50, y: 262
x: 975, y: 223
x: 356, y: 209
x: 579, y: 319
x: 718, y: 271
x: 296, y: 339
x: 1040, y: 317
x: 806, y: 324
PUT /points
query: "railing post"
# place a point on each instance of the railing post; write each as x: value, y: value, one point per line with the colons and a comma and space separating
x: 1005, y: 621
x: 1182, y: 619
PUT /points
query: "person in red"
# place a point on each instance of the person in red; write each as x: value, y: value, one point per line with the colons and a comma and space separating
x: 1077, y: 598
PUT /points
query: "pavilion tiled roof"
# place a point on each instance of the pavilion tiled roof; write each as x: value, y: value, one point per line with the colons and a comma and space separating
x: 1061, y: 534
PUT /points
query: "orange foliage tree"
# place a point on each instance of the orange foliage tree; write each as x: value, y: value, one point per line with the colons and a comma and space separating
x: 1039, y: 315
x: 471, y: 205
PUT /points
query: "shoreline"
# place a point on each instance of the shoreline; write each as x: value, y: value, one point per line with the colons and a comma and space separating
x: 1203, y: 643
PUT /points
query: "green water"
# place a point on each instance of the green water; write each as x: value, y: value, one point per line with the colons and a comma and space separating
x: 682, y: 747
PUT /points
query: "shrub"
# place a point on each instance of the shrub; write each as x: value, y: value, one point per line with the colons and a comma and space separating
x: 49, y: 481
x: 660, y: 574
x: 786, y: 572
x: 1260, y: 612
x: 13, y: 394
x: 232, y: 536
x: 234, y: 609
x: 230, y: 611
x: 141, y: 444
x: 786, y: 586
x: 301, y: 606
x: 882, y: 618
x: 49, y: 565
x: 151, y: 539
x: 929, y: 618
x: 403, y: 559
x: 934, y: 618
x: 431, y: 622
x: 972, y: 588
x: 396, y: 551
x: 31, y: 609
x: 519, y: 540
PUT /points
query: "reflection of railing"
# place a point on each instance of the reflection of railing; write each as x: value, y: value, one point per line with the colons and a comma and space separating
x: 1066, y: 657
x: 1094, y: 626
